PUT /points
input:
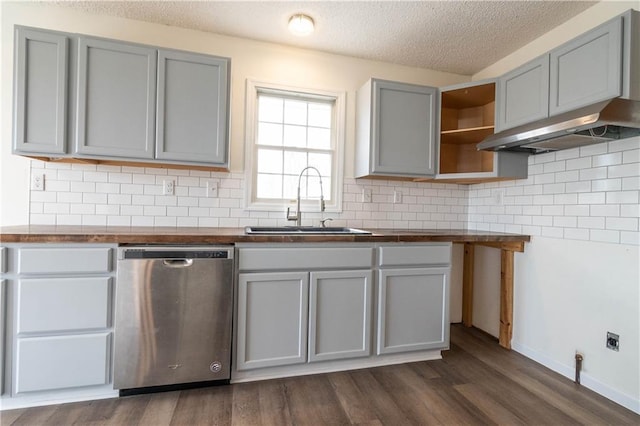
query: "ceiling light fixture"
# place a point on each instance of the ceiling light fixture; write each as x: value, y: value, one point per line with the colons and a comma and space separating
x: 301, y: 25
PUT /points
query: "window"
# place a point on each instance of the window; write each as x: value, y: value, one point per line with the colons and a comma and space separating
x: 288, y: 131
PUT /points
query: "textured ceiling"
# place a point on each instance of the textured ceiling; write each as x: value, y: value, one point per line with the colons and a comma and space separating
x: 461, y: 37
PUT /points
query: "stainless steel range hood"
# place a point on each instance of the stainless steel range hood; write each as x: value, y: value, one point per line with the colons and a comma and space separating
x: 613, y: 119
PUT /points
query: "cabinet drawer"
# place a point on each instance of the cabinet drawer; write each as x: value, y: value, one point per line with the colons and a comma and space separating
x: 59, y: 304
x: 64, y: 260
x: 432, y: 254
x: 265, y: 259
x: 59, y: 362
x: 3, y: 260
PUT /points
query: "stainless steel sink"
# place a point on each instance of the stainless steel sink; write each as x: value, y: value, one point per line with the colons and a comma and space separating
x: 301, y: 230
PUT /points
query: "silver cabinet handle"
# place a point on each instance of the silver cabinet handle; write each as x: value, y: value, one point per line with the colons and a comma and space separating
x: 177, y: 263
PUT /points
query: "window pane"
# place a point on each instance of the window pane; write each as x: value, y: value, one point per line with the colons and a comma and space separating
x: 269, y: 161
x: 320, y: 115
x: 321, y: 162
x: 319, y: 138
x: 269, y: 186
x: 294, y: 162
x: 270, y: 109
x: 291, y: 187
x: 295, y: 136
x: 295, y: 112
x: 313, y: 186
x: 269, y: 134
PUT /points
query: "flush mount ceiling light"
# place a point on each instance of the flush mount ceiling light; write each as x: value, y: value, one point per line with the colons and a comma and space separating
x: 301, y: 25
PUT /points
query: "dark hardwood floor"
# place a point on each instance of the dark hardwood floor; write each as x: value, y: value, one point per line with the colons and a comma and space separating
x: 476, y: 382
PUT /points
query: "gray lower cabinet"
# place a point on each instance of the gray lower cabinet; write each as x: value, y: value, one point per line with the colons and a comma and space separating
x: 59, y: 318
x: 40, y: 103
x: 116, y: 99
x: 340, y: 315
x: 587, y: 69
x: 272, y: 319
x: 412, y: 310
x: 523, y: 94
x: 192, y: 118
x: 396, y: 129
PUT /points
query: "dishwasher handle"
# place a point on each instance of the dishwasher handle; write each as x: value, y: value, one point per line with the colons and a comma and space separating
x: 177, y: 263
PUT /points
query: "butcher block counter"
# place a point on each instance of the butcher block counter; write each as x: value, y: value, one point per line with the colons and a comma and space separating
x: 507, y: 243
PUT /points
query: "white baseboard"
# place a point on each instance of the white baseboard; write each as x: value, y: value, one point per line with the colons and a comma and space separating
x: 54, y: 397
x: 585, y: 380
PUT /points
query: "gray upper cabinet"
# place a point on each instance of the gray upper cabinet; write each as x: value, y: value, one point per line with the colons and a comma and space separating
x: 41, y: 78
x: 396, y: 129
x: 588, y: 69
x: 116, y: 99
x: 192, y: 119
x: 523, y: 94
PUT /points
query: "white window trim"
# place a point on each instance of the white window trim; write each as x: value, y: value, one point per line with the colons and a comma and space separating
x: 251, y: 105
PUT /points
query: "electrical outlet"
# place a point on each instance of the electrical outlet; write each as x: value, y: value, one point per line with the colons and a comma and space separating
x: 498, y: 197
x: 613, y: 341
x: 212, y: 188
x: 37, y: 182
x: 397, y: 197
x: 168, y: 187
x: 366, y: 195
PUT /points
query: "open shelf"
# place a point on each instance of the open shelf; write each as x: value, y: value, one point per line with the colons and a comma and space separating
x: 467, y: 117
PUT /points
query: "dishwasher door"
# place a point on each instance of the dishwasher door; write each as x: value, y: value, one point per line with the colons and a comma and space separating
x: 173, y: 315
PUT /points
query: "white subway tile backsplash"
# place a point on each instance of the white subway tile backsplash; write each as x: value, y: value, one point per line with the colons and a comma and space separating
x: 588, y: 193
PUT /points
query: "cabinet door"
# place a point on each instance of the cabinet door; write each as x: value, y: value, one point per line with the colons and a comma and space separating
x: 272, y: 319
x: 116, y: 99
x: 59, y: 362
x: 339, y: 315
x: 587, y: 69
x: 403, y: 129
x: 41, y: 92
x: 523, y: 94
x: 413, y: 309
x: 192, y: 108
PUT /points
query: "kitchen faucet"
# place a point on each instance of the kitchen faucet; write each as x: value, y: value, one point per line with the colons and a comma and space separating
x: 298, y: 216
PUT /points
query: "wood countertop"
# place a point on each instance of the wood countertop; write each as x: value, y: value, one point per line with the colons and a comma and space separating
x: 193, y: 235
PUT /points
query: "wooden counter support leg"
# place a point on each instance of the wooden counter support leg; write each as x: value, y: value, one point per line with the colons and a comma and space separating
x: 506, y: 298
x: 467, y: 285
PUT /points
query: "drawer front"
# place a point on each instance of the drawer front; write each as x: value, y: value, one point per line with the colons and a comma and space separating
x: 64, y: 260
x: 61, y: 304
x: 59, y: 362
x: 264, y: 259
x: 406, y: 255
x: 3, y: 260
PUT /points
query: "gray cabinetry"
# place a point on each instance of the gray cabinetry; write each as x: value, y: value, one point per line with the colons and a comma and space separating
x: 523, y: 94
x: 340, y: 315
x: 272, y: 319
x: 116, y: 99
x: 412, y: 312
x: 587, y: 69
x: 59, y: 319
x: 396, y: 130
x: 192, y: 108
x: 598, y: 65
x: 413, y: 298
x: 41, y: 76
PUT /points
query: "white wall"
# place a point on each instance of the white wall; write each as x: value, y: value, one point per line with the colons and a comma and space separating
x: 579, y: 277
x: 263, y: 61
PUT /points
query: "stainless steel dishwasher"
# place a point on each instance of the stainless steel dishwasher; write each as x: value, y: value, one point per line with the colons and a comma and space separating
x: 173, y: 316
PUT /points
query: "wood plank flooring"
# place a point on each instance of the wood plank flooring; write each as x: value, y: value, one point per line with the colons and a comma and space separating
x: 477, y: 382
